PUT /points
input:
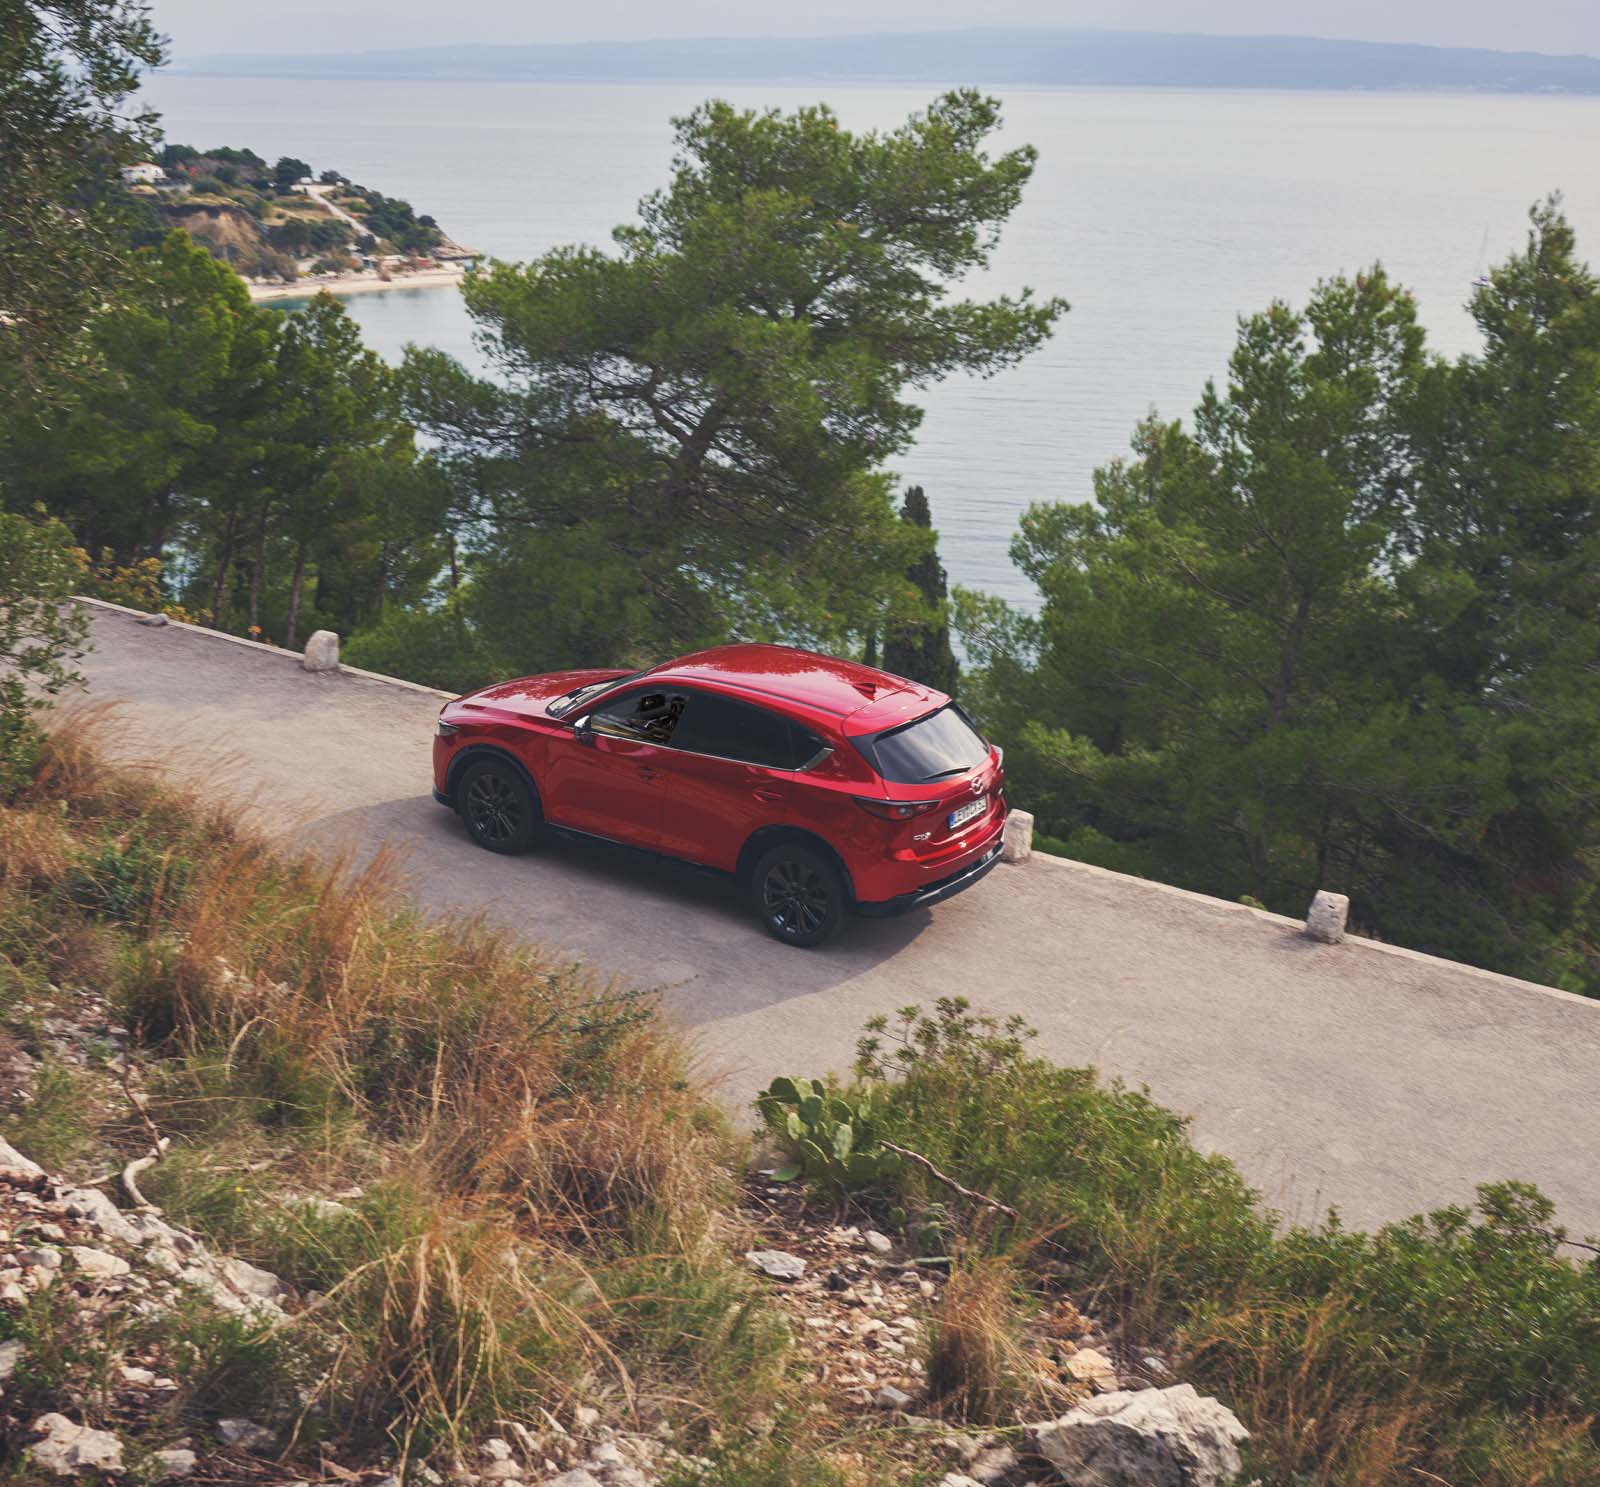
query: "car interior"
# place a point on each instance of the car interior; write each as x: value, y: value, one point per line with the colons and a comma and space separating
x: 649, y: 716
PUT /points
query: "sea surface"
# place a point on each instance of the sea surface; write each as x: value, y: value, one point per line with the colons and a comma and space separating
x: 1160, y: 215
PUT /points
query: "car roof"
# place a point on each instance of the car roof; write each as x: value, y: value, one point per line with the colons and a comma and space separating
x: 868, y: 698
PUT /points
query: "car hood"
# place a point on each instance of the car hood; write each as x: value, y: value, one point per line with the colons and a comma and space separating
x: 530, y: 696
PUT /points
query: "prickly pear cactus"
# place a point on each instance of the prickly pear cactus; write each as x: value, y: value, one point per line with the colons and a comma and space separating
x: 829, y: 1139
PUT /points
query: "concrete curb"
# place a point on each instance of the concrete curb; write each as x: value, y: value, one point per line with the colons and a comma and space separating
x: 1127, y: 883
x: 262, y: 648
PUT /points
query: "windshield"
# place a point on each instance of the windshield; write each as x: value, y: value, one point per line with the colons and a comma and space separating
x: 939, y: 744
x: 570, y: 701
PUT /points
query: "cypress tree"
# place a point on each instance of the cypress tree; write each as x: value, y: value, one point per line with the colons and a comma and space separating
x: 922, y: 651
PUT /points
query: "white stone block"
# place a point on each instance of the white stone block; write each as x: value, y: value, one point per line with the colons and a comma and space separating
x: 1325, y: 920
x: 1019, y: 837
x: 322, y: 652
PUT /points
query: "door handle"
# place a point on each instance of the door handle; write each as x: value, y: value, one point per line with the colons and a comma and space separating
x: 766, y: 792
x: 648, y: 772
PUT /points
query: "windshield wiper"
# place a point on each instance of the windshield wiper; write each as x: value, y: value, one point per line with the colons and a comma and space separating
x: 959, y: 769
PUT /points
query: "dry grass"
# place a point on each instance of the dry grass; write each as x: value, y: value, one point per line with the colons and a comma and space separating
x: 540, y: 1173
x: 977, y: 1367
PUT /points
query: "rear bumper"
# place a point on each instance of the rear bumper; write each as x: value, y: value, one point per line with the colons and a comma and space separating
x: 937, y: 892
x: 444, y: 799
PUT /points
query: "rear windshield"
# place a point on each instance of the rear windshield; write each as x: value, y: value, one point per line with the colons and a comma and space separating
x: 942, y: 743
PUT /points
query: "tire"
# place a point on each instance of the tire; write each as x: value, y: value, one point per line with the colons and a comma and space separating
x: 798, y: 893
x: 497, y: 806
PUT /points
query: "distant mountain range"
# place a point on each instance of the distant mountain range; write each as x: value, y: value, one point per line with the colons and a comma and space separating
x: 1036, y: 58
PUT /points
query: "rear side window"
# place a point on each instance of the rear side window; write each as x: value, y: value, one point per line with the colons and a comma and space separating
x: 941, y: 743
x: 735, y: 730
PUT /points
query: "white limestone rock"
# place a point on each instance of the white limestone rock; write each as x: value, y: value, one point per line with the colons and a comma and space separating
x: 12, y: 1160
x: 249, y: 1280
x: 69, y: 1449
x: 93, y: 1205
x: 245, y: 1434
x: 11, y: 1354
x: 1091, y: 1367
x: 173, y: 1464
x: 1153, y: 1438
x: 96, y: 1263
x: 777, y: 1263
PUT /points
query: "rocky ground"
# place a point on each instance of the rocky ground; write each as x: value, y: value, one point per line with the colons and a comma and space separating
x: 863, y: 1308
x: 99, y: 1300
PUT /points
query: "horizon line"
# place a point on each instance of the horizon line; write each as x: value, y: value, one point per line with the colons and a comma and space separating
x: 501, y: 47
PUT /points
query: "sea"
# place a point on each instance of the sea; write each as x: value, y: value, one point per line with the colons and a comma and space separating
x: 1161, y: 216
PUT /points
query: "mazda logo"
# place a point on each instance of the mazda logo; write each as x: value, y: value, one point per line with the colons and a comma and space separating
x: 977, y: 786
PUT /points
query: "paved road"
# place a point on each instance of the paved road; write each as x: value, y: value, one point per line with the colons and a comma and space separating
x: 1352, y: 1074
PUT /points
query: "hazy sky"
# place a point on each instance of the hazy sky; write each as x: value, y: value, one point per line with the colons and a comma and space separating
x: 198, y: 26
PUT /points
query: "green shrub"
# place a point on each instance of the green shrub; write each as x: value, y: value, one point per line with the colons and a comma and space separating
x: 435, y: 647
x: 1462, y: 1344
x: 128, y: 877
x: 231, y: 1364
x: 68, y: 1354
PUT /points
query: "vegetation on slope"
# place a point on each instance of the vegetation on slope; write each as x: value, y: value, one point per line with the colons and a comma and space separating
x: 192, y: 421
x: 538, y: 1177
x: 1461, y: 1346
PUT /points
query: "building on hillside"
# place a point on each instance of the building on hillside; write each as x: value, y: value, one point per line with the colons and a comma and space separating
x: 145, y: 173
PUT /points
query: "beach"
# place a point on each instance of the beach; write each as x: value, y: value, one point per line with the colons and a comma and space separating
x: 433, y: 278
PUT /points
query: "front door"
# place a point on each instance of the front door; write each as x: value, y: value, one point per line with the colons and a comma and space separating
x: 609, y: 778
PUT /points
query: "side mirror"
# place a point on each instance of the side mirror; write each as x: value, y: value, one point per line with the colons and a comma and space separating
x: 583, y: 732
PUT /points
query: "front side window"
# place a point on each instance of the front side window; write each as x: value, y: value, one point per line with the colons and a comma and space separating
x: 734, y: 730
x: 650, y: 716
x: 939, y: 744
x: 569, y: 702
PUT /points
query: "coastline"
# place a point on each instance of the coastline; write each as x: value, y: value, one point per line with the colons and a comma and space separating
x: 439, y: 278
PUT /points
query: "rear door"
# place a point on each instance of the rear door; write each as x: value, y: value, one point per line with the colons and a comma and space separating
x: 732, y: 773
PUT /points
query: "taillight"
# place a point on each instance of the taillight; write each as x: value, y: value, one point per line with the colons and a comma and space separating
x: 895, y: 810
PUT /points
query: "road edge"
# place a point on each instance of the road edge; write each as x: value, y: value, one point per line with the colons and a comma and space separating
x: 260, y: 646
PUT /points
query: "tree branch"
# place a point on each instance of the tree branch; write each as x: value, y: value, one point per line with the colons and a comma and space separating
x: 949, y: 1182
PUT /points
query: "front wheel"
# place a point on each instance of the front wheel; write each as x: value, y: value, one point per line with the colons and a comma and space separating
x: 799, y: 895
x: 498, y: 807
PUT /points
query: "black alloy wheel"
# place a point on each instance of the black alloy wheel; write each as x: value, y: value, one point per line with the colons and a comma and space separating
x: 799, y: 895
x: 498, y: 807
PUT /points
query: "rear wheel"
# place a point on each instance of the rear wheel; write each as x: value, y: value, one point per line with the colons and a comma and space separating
x: 497, y: 806
x: 799, y: 894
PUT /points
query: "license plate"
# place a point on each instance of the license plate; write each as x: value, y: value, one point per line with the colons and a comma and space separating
x: 968, y: 811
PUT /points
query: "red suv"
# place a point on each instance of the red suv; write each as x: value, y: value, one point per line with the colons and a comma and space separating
x: 821, y: 786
